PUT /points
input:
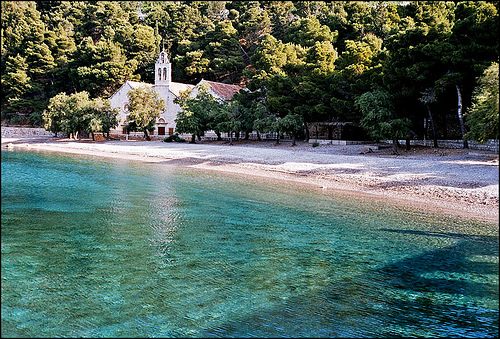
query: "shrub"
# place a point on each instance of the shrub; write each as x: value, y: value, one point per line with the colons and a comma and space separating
x: 35, y: 119
x: 17, y: 119
x: 174, y: 137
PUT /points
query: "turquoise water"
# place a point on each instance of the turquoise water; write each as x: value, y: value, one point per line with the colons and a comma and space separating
x: 99, y: 248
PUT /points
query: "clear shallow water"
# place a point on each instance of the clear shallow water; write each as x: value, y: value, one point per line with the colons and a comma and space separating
x: 116, y: 248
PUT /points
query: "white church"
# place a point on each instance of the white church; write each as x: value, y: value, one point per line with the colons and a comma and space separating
x: 168, y: 91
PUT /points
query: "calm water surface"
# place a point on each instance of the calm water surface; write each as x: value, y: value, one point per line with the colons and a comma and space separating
x: 115, y: 248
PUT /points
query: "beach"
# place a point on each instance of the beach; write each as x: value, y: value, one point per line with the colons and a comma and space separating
x: 450, y: 181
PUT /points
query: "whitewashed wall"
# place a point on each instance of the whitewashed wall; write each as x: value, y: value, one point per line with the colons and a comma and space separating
x: 118, y: 100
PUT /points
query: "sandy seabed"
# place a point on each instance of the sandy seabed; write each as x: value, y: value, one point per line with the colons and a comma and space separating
x: 452, y: 182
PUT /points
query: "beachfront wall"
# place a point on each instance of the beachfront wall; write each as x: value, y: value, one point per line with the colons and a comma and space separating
x: 25, y: 132
x: 490, y: 145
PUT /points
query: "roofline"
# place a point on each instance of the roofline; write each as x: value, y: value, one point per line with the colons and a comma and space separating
x: 127, y: 82
x: 218, y: 82
x: 213, y: 93
x: 193, y: 86
x: 118, y: 90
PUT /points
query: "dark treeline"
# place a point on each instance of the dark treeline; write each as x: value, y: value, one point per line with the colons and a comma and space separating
x: 385, y: 66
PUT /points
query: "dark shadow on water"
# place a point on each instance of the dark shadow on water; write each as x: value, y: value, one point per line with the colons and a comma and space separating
x: 407, y: 274
x: 425, y: 295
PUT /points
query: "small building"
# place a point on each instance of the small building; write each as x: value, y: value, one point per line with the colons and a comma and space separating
x: 336, y: 130
x: 168, y: 91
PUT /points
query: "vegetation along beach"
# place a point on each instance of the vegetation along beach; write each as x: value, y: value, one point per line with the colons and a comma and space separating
x: 250, y: 168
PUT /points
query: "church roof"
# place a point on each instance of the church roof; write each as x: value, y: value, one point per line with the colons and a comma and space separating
x: 137, y: 84
x: 177, y: 87
x: 174, y: 87
x: 222, y: 90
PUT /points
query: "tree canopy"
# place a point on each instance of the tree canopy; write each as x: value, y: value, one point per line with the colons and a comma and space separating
x: 145, y: 106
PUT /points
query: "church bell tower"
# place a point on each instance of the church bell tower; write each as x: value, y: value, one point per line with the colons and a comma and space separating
x: 163, y: 70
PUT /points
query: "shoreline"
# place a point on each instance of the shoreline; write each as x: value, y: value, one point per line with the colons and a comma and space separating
x: 353, y: 177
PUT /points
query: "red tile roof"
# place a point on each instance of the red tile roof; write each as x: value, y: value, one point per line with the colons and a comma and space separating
x: 224, y: 91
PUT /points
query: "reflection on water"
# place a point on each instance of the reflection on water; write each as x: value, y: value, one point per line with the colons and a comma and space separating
x: 115, y: 248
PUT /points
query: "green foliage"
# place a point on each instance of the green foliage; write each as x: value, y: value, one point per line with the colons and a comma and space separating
x: 482, y: 118
x: 142, y: 47
x: 228, y: 117
x: 252, y: 23
x: 15, y: 84
x: 379, y: 118
x: 145, y: 107
x: 76, y: 113
x: 251, y: 108
x: 308, y: 31
x: 101, y: 68
x: 199, y: 113
x: 360, y: 55
x: 104, y: 118
x: 69, y: 114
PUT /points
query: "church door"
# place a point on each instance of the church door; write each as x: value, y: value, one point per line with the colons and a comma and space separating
x: 161, y: 130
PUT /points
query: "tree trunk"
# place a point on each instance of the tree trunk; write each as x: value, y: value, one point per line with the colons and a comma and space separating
x: 193, y: 138
x: 258, y: 136
x: 230, y: 138
x: 395, y: 143
x: 434, y: 136
x: 407, y: 143
x: 199, y: 137
x: 460, y: 117
x: 219, y: 138
x: 237, y: 135
x: 307, y: 131
x: 293, y: 139
x: 146, y: 135
x: 93, y: 137
x: 247, y: 135
x: 278, y: 138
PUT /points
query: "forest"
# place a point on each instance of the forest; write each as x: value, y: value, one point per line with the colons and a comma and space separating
x: 394, y: 69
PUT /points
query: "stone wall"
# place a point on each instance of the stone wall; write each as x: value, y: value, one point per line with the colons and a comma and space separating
x: 338, y: 142
x: 490, y: 145
x: 24, y: 132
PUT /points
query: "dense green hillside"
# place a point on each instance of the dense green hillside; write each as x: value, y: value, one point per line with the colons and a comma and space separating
x: 385, y: 66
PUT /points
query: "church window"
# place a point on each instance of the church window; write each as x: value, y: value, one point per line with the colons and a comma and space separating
x: 125, y: 107
x: 164, y: 73
x: 159, y: 73
x: 162, y: 57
